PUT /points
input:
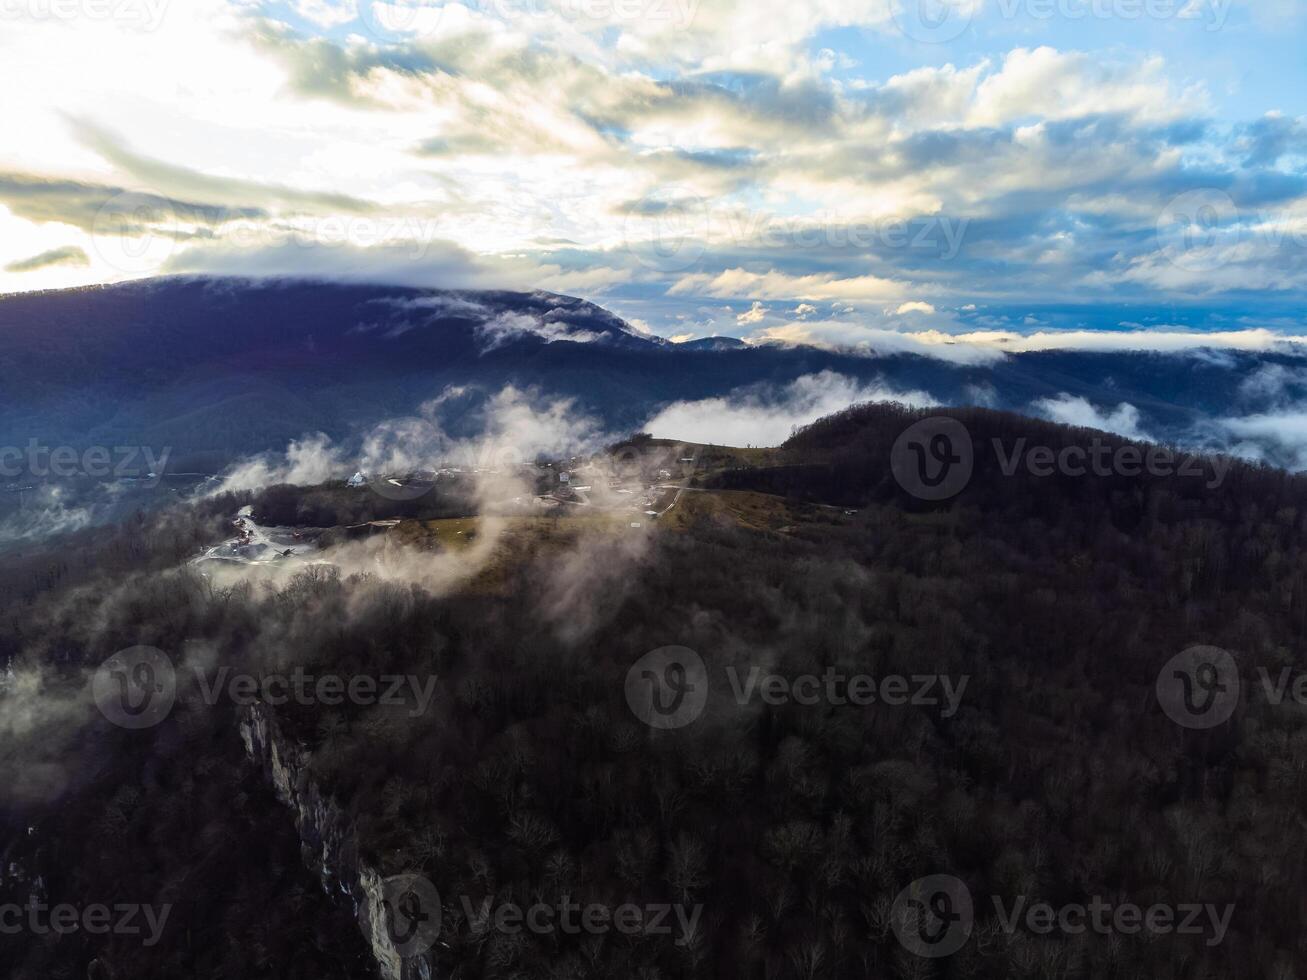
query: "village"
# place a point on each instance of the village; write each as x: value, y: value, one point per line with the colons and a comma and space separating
x: 637, y: 485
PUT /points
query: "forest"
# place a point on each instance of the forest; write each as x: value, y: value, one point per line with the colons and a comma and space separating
x: 792, y: 827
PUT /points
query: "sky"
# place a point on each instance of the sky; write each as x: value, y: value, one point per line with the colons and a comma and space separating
x: 859, y: 173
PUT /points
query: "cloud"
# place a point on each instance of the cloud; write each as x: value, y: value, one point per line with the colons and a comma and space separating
x: 327, y: 13
x: 754, y: 314
x: 183, y: 182
x: 1164, y: 341
x: 1277, y: 438
x: 509, y: 326
x: 542, y: 143
x: 513, y: 427
x: 1070, y: 410
x: 1272, y: 137
x: 1274, y: 384
x: 740, y: 283
x: 82, y: 205
x: 67, y: 255
x: 914, y: 307
x: 306, y: 462
x: 1050, y: 84
x: 417, y: 263
x: 767, y: 415
x: 48, y: 511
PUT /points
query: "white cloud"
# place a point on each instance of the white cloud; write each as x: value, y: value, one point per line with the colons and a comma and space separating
x: 1050, y: 84
x: 1278, y: 438
x: 767, y: 416
x: 737, y: 283
x: 1071, y: 410
x: 306, y: 462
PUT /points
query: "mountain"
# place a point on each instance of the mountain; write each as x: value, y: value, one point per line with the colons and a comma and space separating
x: 222, y: 368
x: 1012, y: 645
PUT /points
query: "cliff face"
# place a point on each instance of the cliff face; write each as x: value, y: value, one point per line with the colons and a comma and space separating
x: 327, y: 838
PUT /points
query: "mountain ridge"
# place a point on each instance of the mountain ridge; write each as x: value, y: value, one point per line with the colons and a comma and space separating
x: 224, y: 368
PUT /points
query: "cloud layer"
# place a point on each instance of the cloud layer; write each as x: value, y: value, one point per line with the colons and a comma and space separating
x: 828, y: 172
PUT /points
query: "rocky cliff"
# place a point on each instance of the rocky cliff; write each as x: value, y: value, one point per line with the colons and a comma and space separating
x: 327, y: 839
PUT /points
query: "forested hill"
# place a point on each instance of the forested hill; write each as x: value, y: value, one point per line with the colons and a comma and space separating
x: 1055, y: 606
x: 1022, y: 466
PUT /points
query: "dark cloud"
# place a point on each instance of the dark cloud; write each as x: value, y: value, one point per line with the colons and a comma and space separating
x: 68, y: 255
x: 81, y: 205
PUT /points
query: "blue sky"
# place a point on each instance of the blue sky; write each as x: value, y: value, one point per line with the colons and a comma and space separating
x: 861, y: 173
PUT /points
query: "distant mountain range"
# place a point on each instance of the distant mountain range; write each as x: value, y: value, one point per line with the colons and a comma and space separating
x: 221, y: 368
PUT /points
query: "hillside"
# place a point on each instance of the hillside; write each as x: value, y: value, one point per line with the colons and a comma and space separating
x: 1042, y: 768
x: 218, y: 369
